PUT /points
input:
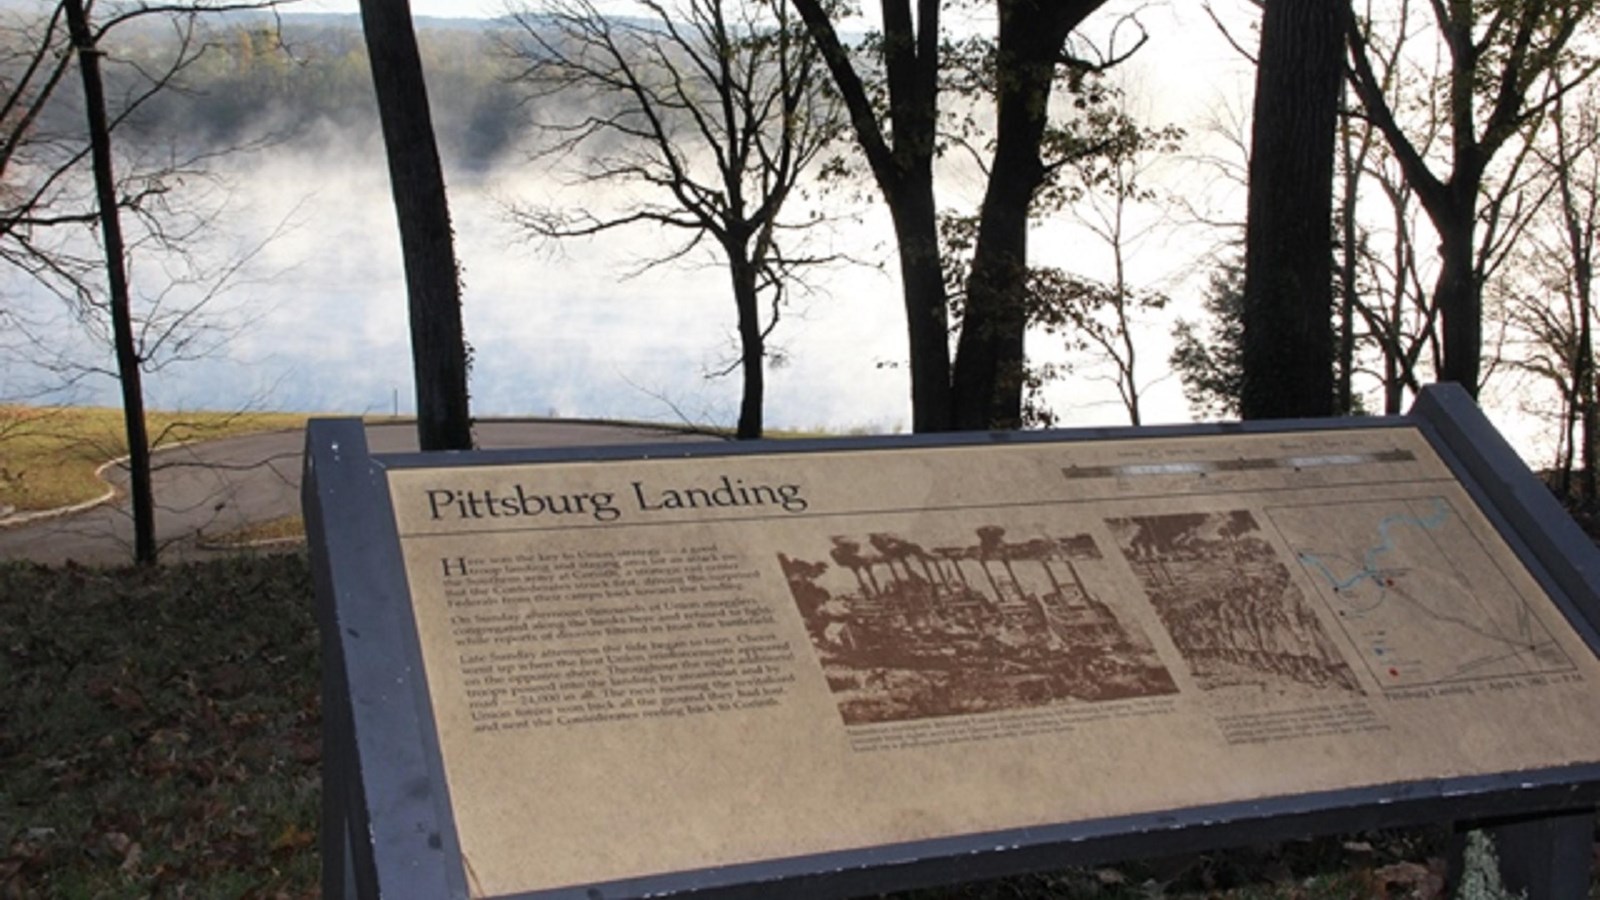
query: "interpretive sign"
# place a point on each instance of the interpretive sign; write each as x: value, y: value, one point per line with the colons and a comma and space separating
x: 651, y: 673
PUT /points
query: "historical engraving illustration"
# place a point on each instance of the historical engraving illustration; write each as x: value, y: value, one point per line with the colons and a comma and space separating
x: 906, y: 631
x: 1228, y: 601
x: 1417, y: 593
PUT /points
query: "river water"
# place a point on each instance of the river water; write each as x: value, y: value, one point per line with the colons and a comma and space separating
x: 317, y: 320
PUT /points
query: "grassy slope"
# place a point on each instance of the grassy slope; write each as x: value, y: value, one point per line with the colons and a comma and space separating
x: 48, y: 455
x: 161, y: 738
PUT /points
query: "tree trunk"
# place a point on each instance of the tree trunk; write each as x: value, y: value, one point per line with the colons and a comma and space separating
x: 916, y: 228
x: 903, y: 171
x: 129, y: 372
x: 1566, y: 442
x: 990, y: 354
x: 1393, y: 382
x: 433, y: 283
x: 1349, y: 257
x: 752, y: 346
x: 1584, y: 376
x: 987, y: 391
x: 1457, y: 298
x: 1288, y: 329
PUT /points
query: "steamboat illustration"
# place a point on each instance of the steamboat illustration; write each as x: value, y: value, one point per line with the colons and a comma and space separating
x: 905, y: 631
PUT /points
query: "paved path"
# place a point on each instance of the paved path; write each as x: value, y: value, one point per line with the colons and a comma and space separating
x: 218, y: 487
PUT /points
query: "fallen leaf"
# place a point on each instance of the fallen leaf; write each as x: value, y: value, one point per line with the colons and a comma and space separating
x: 127, y: 699
x: 1110, y: 876
x: 1420, y: 882
x: 130, y: 862
x: 294, y: 837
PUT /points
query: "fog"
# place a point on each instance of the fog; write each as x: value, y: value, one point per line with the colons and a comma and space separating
x: 322, y: 325
x: 317, y: 320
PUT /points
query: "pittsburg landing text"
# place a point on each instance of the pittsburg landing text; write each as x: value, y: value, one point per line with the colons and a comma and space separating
x: 519, y: 501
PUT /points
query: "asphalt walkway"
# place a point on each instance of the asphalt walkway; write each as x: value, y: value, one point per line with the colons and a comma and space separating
x: 215, y: 488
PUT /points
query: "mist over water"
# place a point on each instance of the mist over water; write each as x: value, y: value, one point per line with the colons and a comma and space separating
x: 323, y: 327
x: 317, y: 321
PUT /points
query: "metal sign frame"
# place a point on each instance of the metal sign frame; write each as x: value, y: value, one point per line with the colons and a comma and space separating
x: 387, y: 829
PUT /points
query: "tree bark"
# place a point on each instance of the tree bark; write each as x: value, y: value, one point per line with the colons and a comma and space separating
x: 752, y: 345
x: 990, y: 355
x: 1584, y: 376
x: 1288, y: 297
x: 129, y: 365
x: 1349, y: 258
x: 1456, y: 293
x: 916, y: 228
x: 433, y: 278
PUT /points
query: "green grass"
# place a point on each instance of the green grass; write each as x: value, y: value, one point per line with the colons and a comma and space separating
x: 49, y: 454
x: 160, y: 736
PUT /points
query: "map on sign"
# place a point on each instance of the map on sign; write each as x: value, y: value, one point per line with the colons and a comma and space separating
x: 1418, y: 594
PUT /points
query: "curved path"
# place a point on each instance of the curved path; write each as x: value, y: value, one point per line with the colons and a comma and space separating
x: 218, y: 487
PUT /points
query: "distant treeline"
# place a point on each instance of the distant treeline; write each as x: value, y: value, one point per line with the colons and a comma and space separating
x: 306, y: 76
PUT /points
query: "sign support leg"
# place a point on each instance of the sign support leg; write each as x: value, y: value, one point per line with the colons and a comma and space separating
x: 1544, y: 857
x: 338, y: 856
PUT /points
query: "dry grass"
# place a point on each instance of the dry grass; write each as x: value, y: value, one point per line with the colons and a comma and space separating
x: 49, y: 454
x: 273, y: 531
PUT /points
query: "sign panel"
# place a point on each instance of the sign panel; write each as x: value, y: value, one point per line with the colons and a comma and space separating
x: 663, y: 665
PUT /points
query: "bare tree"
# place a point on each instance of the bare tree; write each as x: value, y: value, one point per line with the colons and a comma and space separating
x: 1356, y: 143
x: 718, y: 109
x: 1498, y: 56
x: 42, y: 173
x: 128, y: 370
x: 1395, y: 303
x: 433, y: 277
x: 1116, y: 189
x: 985, y: 386
x: 1549, y: 294
x: 1576, y: 169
